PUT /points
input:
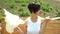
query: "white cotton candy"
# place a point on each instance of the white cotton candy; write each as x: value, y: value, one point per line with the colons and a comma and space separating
x: 12, y: 21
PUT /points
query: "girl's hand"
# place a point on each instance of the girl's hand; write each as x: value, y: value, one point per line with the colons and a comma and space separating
x: 48, y: 18
x: 19, y: 30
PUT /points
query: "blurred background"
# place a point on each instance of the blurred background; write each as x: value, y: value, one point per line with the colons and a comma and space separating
x: 19, y: 7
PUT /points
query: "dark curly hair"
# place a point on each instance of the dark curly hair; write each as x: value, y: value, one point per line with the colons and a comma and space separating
x: 34, y: 6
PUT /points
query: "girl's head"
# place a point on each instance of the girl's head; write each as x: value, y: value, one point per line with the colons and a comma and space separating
x: 34, y: 8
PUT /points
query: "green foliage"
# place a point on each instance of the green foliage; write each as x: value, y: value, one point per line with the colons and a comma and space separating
x: 24, y: 14
x: 46, y: 7
x: 0, y: 13
x: 0, y: 16
x: 12, y: 11
x: 22, y: 11
x: 12, y: 3
x: 58, y: 14
x: 20, y: 8
x: 22, y: 4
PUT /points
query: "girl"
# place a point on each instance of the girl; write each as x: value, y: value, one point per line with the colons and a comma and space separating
x: 34, y: 21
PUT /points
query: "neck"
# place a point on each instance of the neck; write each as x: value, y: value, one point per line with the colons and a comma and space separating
x: 34, y: 17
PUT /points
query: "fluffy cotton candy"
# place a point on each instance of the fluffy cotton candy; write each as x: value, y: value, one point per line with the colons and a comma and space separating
x: 12, y: 21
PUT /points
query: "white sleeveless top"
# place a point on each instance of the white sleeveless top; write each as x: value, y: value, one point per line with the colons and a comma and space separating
x: 33, y: 28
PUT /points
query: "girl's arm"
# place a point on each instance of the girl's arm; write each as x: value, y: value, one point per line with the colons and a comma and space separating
x: 43, y: 25
x: 22, y: 28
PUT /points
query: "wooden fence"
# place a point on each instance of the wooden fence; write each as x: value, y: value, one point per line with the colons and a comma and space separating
x: 52, y: 27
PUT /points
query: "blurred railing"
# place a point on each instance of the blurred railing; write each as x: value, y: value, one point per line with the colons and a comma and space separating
x: 52, y: 27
